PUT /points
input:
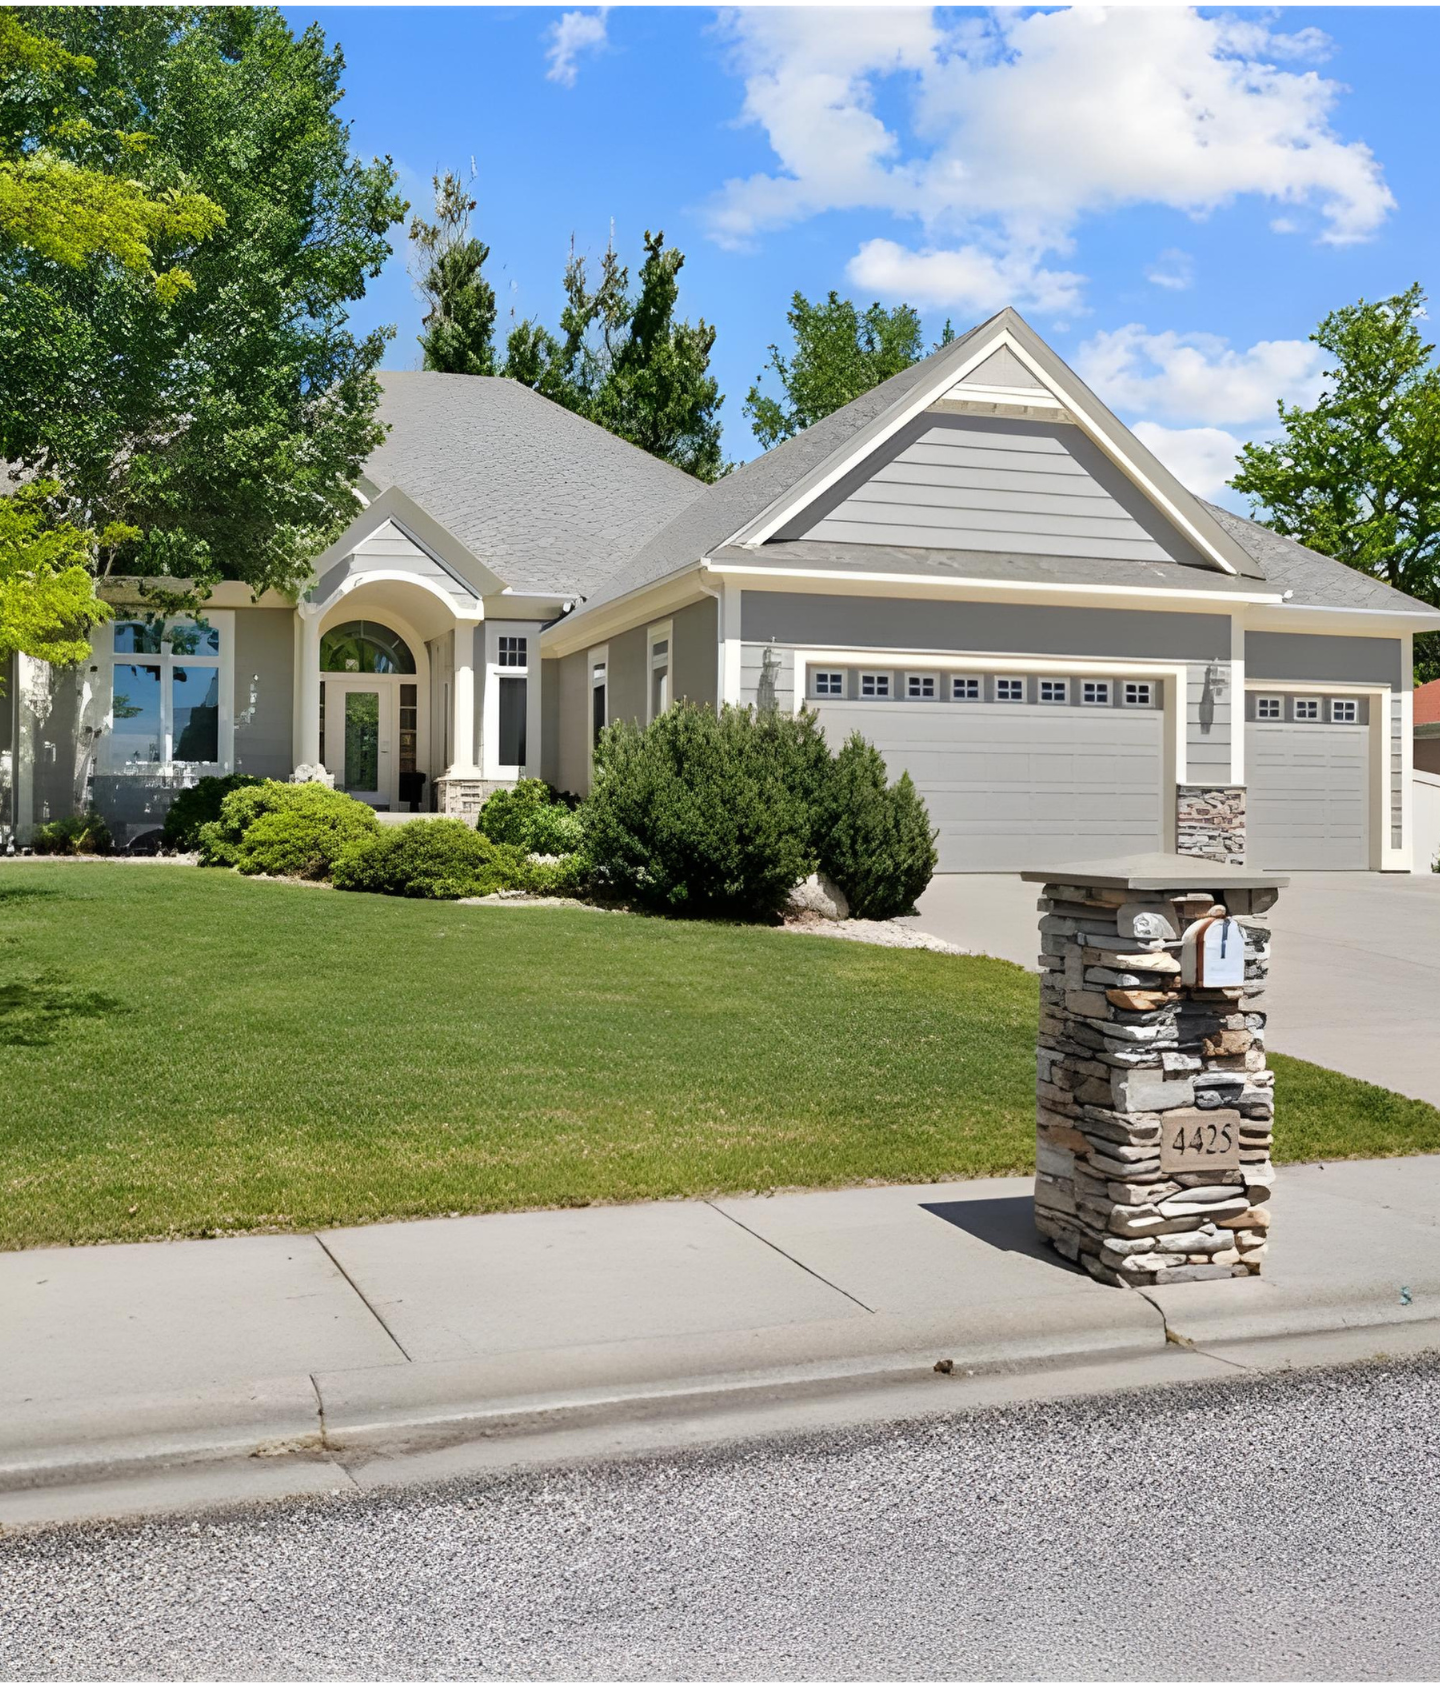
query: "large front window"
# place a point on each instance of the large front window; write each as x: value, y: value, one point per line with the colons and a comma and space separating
x: 165, y: 688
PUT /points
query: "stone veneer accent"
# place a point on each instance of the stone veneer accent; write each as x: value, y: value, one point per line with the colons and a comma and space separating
x: 466, y: 797
x: 1125, y: 1053
x: 1210, y: 822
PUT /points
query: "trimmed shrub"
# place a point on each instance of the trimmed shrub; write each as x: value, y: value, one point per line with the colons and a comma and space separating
x: 196, y: 806
x: 278, y: 828
x: 534, y: 816
x: 566, y: 876
x: 698, y: 813
x: 75, y: 835
x: 439, y: 858
x: 874, y: 839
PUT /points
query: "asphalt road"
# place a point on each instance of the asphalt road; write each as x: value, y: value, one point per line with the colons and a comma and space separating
x: 1286, y: 1527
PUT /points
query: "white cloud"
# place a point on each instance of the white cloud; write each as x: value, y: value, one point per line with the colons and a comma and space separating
x: 1200, y: 378
x: 1024, y: 125
x: 575, y: 33
x: 1173, y: 269
x: 1202, y: 459
x: 966, y: 276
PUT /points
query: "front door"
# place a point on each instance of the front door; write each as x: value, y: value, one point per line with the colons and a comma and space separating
x: 359, y: 745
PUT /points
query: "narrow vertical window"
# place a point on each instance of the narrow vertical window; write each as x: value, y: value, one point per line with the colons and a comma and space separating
x: 513, y: 703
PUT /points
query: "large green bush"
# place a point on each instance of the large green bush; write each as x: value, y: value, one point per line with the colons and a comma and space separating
x: 439, y: 858
x: 701, y: 813
x: 75, y: 835
x: 196, y: 806
x: 534, y: 816
x: 278, y: 828
x: 872, y: 838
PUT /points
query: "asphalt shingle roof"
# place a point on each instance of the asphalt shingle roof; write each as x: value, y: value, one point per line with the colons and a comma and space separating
x: 552, y: 503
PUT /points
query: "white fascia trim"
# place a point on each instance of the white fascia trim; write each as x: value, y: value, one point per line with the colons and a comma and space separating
x: 585, y: 627
x: 1339, y: 688
x: 1406, y: 621
x: 970, y: 585
x: 1175, y: 695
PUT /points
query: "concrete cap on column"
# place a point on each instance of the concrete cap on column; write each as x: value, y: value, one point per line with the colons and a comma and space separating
x: 1158, y: 870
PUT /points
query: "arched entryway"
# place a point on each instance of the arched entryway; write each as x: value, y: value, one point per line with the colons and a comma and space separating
x: 370, y: 710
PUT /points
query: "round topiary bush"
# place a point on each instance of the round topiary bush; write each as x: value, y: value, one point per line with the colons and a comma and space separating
x: 534, y: 816
x: 196, y: 806
x: 439, y: 858
x: 874, y: 839
x: 698, y: 813
x: 278, y: 828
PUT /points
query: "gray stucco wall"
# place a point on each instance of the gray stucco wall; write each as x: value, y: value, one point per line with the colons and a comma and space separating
x: 695, y: 671
x: 264, y: 701
x: 1324, y: 656
x: 625, y: 676
x: 803, y: 618
x: 550, y: 721
x: 572, y: 763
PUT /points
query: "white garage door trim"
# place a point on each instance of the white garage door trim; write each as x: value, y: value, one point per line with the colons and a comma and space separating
x: 1167, y: 757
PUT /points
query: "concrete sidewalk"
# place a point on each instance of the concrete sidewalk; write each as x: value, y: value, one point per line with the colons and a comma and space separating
x: 354, y: 1344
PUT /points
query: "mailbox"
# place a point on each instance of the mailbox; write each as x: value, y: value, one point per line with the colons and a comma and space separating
x: 1212, y: 952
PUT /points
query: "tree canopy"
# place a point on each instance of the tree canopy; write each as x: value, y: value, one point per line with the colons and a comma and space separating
x: 1357, y: 475
x: 839, y: 353
x: 218, y: 425
x: 459, y: 321
x: 47, y: 590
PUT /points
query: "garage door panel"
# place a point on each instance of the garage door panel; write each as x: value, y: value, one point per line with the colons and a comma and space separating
x: 1011, y: 786
x: 1308, y: 803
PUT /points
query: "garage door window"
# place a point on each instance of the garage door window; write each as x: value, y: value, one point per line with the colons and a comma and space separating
x: 1307, y: 708
x: 1095, y: 691
x: 874, y: 685
x: 1344, y: 710
x: 1054, y: 691
x: 1267, y: 708
x: 1139, y: 694
x: 920, y: 685
x: 829, y: 682
x: 965, y: 688
x: 1010, y: 691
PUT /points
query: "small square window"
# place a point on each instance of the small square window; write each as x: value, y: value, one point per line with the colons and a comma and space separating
x: 920, y: 685
x: 1094, y: 691
x: 1268, y: 709
x: 660, y: 650
x: 874, y: 685
x: 1054, y: 691
x: 1139, y: 694
x: 1010, y: 691
x: 1307, y: 708
x: 829, y: 682
x: 1344, y: 709
x: 965, y: 688
x: 512, y: 651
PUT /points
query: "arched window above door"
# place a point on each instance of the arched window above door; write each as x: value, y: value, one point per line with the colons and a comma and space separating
x: 364, y: 647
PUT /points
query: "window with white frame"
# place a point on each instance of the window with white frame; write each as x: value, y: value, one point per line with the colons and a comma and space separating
x: 829, y: 682
x: 1307, y: 708
x: 512, y: 699
x: 965, y: 688
x: 1095, y: 691
x: 165, y: 695
x: 1138, y: 694
x: 512, y: 651
x: 1054, y: 691
x: 659, y: 640
x: 920, y: 685
x: 597, y: 700
x: 1009, y: 690
x: 1344, y: 709
x: 1269, y: 708
x: 874, y: 685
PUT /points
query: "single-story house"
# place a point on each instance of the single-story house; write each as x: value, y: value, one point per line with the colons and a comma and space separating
x: 975, y: 565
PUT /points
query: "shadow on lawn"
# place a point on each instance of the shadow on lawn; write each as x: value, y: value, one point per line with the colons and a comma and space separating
x: 34, y: 1011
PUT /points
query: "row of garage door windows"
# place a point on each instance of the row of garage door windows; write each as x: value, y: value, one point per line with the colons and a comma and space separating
x: 981, y: 688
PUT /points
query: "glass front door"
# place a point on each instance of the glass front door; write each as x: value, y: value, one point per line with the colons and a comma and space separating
x: 358, y: 738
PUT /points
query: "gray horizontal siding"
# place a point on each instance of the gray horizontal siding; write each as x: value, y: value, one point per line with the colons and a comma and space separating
x: 767, y: 685
x: 1345, y: 657
x: 1208, y: 716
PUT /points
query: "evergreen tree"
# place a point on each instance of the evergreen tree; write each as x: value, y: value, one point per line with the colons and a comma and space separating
x: 459, y: 337
x: 839, y: 353
x: 1357, y: 475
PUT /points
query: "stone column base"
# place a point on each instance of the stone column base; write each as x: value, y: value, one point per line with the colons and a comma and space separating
x: 1210, y: 822
x: 466, y: 797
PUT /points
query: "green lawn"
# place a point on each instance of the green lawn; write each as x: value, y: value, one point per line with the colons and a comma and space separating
x: 185, y: 1051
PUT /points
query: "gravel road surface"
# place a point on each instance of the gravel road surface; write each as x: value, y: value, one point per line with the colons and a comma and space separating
x: 1274, y: 1527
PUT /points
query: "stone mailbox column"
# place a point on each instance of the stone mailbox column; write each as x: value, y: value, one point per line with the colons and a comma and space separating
x: 1154, y: 1106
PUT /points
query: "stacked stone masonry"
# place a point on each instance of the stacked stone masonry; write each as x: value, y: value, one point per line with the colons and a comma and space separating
x: 1132, y: 1062
x: 1210, y: 822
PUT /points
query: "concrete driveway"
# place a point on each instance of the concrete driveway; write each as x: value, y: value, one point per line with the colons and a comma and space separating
x: 1355, y: 970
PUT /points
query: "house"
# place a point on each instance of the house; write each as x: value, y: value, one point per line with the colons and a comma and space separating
x: 1427, y: 728
x: 975, y: 565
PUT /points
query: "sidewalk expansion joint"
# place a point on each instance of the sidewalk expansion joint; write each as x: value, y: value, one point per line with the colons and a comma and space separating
x: 818, y: 1276
x: 374, y: 1313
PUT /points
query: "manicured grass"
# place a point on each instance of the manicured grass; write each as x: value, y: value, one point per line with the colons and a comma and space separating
x: 184, y: 1051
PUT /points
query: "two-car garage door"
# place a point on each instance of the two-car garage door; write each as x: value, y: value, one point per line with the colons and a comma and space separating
x: 1012, y: 785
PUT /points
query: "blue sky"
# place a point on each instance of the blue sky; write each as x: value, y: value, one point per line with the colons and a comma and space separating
x: 1172, y: 197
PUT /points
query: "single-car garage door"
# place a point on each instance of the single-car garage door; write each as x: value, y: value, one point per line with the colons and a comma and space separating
x: 1013, y: 777
x: 1307, y: 763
